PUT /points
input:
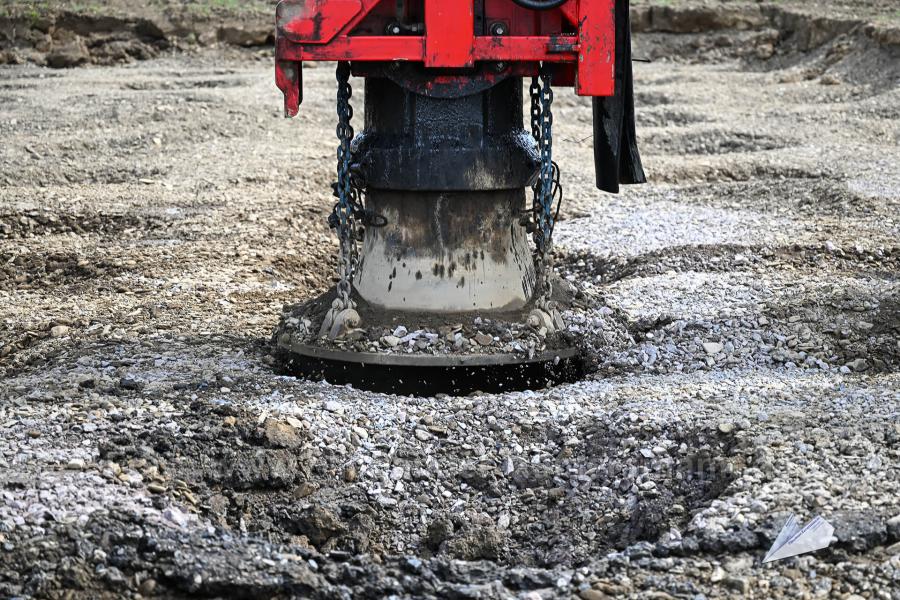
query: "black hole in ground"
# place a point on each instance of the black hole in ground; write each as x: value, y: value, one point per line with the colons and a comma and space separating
x: 431, y: 380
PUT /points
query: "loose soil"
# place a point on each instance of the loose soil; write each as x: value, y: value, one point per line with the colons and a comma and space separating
x: 156, y: 215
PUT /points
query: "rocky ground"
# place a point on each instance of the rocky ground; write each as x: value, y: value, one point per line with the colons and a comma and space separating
x: 155, y: 216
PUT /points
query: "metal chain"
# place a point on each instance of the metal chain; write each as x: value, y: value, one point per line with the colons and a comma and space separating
x: 535, y: 91
x: 545, y: 143
x: 546, y: 188
x: 342, y: 218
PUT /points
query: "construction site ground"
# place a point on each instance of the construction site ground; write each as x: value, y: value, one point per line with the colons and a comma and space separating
x: 157, y: 212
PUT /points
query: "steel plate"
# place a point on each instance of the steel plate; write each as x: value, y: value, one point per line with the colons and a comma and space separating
x: 426, y: 375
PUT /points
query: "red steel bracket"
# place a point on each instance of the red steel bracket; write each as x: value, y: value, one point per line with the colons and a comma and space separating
x: 314, y: 21
x: 449, y: 34
x: 321, y: 30
x: 596, y: 48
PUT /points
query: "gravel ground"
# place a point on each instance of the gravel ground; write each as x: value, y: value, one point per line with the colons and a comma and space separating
x: 155, y: 217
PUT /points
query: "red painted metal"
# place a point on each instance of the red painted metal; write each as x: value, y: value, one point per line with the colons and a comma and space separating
x: 450, y: 27
x: 579, y: 37
x: 532, y: 49
x: 570, y: 10
x: 314, y: 21
x: 596, y: 48
x: 289, y: 79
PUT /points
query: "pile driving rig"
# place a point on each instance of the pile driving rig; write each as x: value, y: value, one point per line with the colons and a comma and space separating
x: 438, y: 287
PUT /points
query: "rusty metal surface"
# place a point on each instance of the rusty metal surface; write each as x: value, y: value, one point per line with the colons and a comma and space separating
x: 447, y: 252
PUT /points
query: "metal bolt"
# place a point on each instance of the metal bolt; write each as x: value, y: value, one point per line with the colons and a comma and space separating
x: 499, y: 28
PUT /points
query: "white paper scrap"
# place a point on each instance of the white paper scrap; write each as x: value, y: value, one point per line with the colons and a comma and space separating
x: 792, y: 540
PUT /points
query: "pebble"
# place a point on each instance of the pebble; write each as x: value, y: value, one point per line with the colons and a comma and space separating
x: 147, y: 587
x: 738, y: 584
x: 175, y: 516
x: 484, y: 339
x: 712, y: 348
x: 281, y: 435
x: 127, y: 383
x: 858, y: 365
x: 59, y: 331
x: 738, y: 565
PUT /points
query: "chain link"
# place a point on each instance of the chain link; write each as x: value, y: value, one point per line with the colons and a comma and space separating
x: 535, y: 91
x: 343, y: 215
x: 547, y: 187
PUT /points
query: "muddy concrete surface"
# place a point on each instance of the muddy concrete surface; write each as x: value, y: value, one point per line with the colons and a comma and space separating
x: 156, y: 215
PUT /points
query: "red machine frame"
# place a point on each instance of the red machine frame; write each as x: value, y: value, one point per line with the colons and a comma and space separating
x: 578, y: 37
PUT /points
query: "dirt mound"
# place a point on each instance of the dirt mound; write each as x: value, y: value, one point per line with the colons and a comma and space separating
x: 772, y: 37
x: 117, y: 34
